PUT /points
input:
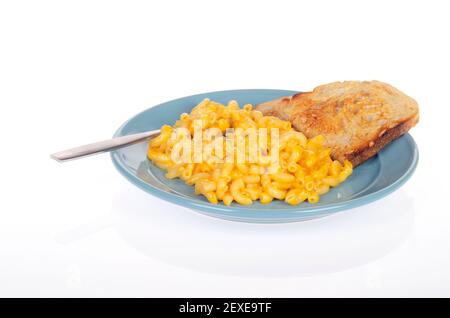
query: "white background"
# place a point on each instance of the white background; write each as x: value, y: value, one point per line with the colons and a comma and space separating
x: 72, y: 72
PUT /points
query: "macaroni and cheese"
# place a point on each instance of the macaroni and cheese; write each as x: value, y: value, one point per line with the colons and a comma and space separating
x: 233, y: 154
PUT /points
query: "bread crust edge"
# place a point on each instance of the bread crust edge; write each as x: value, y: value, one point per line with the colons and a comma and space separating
x: 360, y: 155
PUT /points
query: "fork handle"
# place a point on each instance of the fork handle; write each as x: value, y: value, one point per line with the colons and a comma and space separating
x: 103, y: 146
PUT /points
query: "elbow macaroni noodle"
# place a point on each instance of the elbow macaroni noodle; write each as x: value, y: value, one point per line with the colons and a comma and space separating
x: 236, y: 154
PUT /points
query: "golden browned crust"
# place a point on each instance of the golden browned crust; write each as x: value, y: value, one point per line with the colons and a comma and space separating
x: 361, y: 154
x: 357, y: 119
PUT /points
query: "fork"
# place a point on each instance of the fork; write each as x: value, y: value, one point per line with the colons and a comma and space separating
x: 103, y: 146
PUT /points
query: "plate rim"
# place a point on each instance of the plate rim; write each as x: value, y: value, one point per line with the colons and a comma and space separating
x: 251, y: 214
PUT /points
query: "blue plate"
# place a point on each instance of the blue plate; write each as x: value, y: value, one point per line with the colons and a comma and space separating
x: 374, y: 179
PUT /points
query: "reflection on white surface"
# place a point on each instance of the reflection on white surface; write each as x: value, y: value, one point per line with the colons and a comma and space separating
x: 73, y: 277
x: 85, y: 230
x: 182, y: 238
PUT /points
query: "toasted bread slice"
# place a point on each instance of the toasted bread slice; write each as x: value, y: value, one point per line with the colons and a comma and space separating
x: 356, y: 118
